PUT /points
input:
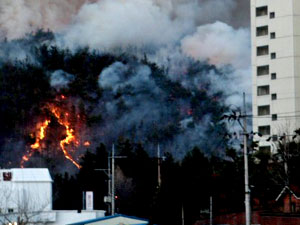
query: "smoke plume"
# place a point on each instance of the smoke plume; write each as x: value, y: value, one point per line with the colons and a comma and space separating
x: 60, y: 79
x: 191, y: 60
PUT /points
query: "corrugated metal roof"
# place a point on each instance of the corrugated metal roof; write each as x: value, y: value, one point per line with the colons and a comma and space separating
x: 29, y: 174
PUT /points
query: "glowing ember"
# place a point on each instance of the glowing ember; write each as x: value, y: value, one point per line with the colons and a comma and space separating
x: 25, y: 158
x: 86, y: 143
x: 190, y: 112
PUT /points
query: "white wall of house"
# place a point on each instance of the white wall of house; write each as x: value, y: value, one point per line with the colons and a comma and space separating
x: 64, y: 217
x: 29, y: 189
x: 29, y: 192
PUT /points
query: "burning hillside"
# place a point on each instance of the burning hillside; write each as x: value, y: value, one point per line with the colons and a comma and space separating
x: 119, y: 80
x: 59, y: 129
x: 91, y: 98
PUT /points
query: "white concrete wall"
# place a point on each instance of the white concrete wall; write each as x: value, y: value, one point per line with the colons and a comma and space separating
x: 64, y: 217
x: 25, y: 195
x: 30, y: 192
x: 286, y: 45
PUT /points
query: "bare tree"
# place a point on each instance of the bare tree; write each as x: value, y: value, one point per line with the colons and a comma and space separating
x: 22, y: 208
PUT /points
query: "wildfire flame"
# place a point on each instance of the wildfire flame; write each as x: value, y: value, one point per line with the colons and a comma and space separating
x: 63, y: 119
x: 41, y: 134
x: 70, y: 137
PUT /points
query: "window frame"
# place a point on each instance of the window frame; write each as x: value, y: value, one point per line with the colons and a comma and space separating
x: 260, y: 88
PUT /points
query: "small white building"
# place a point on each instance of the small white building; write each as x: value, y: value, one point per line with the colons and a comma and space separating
x: 26, y: 195
x: 117, y: 219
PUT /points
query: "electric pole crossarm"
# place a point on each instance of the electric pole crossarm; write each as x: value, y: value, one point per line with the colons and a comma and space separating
x: 113, y: 157
x: 236, y: 117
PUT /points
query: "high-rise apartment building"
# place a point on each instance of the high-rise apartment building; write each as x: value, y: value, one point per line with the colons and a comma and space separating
x: 275, y: 31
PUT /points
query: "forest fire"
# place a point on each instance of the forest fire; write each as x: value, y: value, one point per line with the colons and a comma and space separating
x: 67, y: 143
x: 62, y: 119
x: 41, y: 134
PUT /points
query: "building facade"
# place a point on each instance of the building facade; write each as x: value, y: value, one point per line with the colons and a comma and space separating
x: 275, y: 33
x: 26, y: 198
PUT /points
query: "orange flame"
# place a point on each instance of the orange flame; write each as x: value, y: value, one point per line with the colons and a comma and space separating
x: 36, y: 145
x: 69, y: 132
x: 41, y: 134
x: 25, y: 158
x: 70, y: 138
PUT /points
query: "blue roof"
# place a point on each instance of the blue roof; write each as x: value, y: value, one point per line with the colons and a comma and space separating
x: 109, y: 217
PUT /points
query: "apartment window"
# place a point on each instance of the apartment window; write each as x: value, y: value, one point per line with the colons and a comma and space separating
x: 10, y: 210
x: 274, y: 117
x: 273, y: 55
x: 263, y: 90
x: 262, y: 31
x: 272, y: 35
x: 274, y: 96
x: 264, y: 130
x: 262, y: 50
x: 262, y: 11
x: 273, y: 76
x: 275, y: 138
x: 7, y: 176
x: 263, y: 110
x: 272, y: 15
x: 262, y: 70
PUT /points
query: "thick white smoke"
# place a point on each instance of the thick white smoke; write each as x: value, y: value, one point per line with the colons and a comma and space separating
x: 110, y: 24
x: 60, y: 79
x: 18, y: 17
x: 219, y: 44
x: 167, y: 30
x: 170, y: 32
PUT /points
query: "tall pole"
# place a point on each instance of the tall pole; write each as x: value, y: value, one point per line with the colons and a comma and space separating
x: 158, y: 167
x: 109, y: 183
x: 247, y: 189
x: 182, y: 215
x: 113, y: 181
x: 210, y: 210
x: 83, y: 200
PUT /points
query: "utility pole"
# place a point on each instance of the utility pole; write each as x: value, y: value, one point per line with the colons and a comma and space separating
x: 113, y: 181
x: 247, y: 189
x: 113, y: 157
x: 246, y: 172
x: 182, y: 215
x: 210, y: 210
x: 109, y: 183
x: 158, y: 167
x: 108, y: 173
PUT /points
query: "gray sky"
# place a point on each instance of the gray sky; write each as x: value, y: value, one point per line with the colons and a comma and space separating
x: 242, y: 12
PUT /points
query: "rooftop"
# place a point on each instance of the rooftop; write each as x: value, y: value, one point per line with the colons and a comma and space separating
x: 28, y: 174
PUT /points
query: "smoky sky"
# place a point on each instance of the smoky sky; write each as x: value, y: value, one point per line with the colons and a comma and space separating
x: 19, y: 17
x: 171, y: 33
